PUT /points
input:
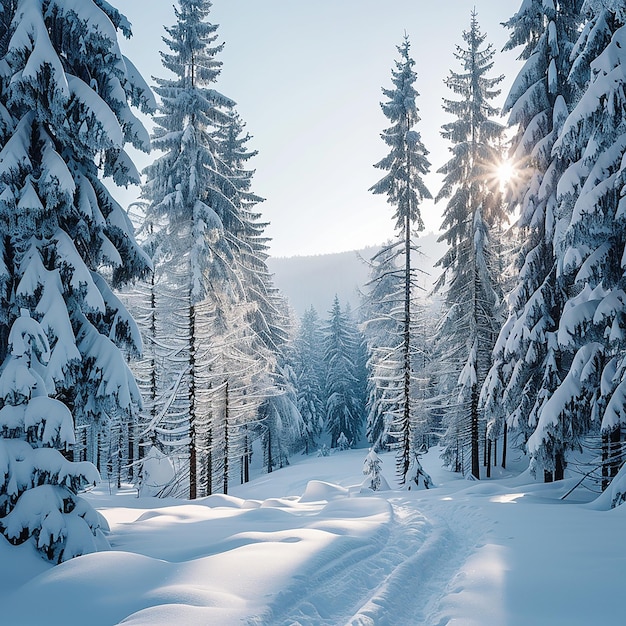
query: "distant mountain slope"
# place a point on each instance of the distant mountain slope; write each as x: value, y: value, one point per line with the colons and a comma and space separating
x: 314, y: 280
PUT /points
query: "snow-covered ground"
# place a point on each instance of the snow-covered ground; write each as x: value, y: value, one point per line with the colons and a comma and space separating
x: 306, y: 545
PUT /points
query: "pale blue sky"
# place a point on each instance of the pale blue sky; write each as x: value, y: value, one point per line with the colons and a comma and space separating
x: 307, y: 77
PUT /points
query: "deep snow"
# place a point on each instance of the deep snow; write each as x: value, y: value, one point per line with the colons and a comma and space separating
x: 307, y: 545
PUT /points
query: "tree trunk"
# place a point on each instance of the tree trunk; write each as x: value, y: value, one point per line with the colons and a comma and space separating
x: 605, y: 461
x: 193, y: 478
x: 98, y: 453
x: 120, y: 460
x: 131, y: 441
x: 504, y: 444
x: 488, y: 458
x: 209, y: 461
x: 474, y: 418
x: 193, y: 475
x: 611, y: 455
x: 246, y: 457
x: 615, y: 451
x: 559, y: 470
x: 226, y: 438
x: 270, y: 462
x: 405, y: 459
x: 495, y: 452
x: 83, y: 453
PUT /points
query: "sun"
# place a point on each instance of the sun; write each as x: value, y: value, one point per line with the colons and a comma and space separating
x: 504, y: 173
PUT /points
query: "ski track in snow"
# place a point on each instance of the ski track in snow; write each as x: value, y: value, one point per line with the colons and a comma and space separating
x: 398, y: 578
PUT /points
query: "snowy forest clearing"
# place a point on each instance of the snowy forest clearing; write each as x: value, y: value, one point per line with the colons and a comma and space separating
x: 306, y: 545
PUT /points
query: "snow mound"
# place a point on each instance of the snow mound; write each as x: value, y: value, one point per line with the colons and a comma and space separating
x: 221, y: 500
x: 318, y: 490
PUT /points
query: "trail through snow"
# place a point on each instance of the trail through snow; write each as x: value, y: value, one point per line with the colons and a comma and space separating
x: 307, y: 546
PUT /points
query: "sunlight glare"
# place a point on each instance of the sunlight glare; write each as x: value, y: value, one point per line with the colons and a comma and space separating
x: 505, y: 173
x: 508, y: 498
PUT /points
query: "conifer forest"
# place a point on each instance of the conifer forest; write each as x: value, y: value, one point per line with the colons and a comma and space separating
x: 146, y: 347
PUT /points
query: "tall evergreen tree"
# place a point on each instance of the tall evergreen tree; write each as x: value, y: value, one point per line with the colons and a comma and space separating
x: 66, y: 93
x: 472, y: 294
x: 404, y: 187
x: 590, y: 261
x: 265, y: 308
x: 280, y: 422
x: 382, y: 328
x: 140, y: 299
x: 359, y: 358
x: 215, y: 289
x: 245, y: 232
x: 528, y: 364
x: 343, y: 409
x: 309, y: 370
x: 188, y: 187
x: 65, y: 97
x: 382, y: 309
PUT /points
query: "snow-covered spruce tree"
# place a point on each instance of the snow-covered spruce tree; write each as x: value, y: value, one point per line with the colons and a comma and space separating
x: 266, y: 309
x: 216, y: 261
x: 374, y: 479
x: 527, y: 362
x: 471, y: 292
x: 245, y: 232
x: 342, y: 385
x: 185, y: 187
x: 380, y: 306
x: 404, y: 187
x: 310, y: 377
x: 65, y: 97
x: 38, y: 485
x: 590, y: 252
x: 359, y: 358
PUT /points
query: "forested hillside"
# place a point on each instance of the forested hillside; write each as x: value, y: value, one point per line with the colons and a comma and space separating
x: 315, y: 280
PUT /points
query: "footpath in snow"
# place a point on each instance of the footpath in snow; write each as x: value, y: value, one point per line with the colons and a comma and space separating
x: 306, y: 545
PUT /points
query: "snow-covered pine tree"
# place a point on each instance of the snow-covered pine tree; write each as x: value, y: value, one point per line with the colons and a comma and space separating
x: 382, y: 327
x: 246, y: 234
x: 342, y: 385
x: 359, y: 358
x: 468, y: 280
x: 66, y: 93
x: 527, y: 363
x: 404, y: 187
x: 382, y: 308
x: 310, y: 377
x: 186, y: 187
x: 374, y: 479
x: 266, y: 310
x: 38, y: 485
x: 216, y: 260
x: 590, y: 259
